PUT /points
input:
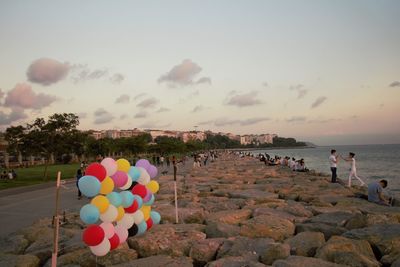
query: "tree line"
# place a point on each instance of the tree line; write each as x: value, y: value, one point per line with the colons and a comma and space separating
x: 59, y: 138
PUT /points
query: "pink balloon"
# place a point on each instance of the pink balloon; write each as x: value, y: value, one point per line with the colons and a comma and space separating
x: 110, y: 165
x: 120, y: 178
x: 122, y: 233
x: 108, y: 229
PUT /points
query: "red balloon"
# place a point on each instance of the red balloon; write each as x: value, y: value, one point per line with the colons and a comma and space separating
x: 134, y: 207
x: 114, y: 241
x: 139, y: 190
x: 149, y: 223
x: 93, y: 235
x: 97, y: 170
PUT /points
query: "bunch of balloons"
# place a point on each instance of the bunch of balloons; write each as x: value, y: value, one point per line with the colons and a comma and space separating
x: 121, y: 198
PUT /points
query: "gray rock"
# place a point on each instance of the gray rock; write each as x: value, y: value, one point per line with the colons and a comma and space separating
x: 248, y: 248
x: 334, y: 218
x: 258, y: 195
x: 205, y: 251
x: 300, y: 261
x: 159, y: 261
x: 346, y: 251
x: 229, y: 216
x: 215, y: 229
x: 19, y: 260
x: 234, y: 262
x: 275, y: 251
x: 327, y: 230
x: 306, y: 243
x: 15, y: 244
x: 384, y: 239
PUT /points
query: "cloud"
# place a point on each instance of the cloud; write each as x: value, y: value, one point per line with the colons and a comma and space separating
x: 198, y: 108
x: 162, y: 110
x: 139, y: 96
x: 117, y: 78
x: 16, y: 114
x: 123, y: 116
x: 318, y: 101
x: 102, y: 116
x: 245, y: 122
x: 46, y: 71
x: 323, y: 120
x: 23, y: 96
x: 82, y: 73
x: 204, y: 80
x: 395, y: 84
x: 244, y: 100
x: 183, y: 74
x: 296, y: 119
x: 148, y: 103
x: 154, y: 125
x: 141, y: 114
x: 123, y: 99
x: 82, y: 115
x: 299, y: 88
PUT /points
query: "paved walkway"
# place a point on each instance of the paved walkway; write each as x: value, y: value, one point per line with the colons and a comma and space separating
x: 21, y: 207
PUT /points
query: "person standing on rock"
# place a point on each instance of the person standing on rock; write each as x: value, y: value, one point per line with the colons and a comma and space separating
x: 353, y: 169
x: 333, y: 160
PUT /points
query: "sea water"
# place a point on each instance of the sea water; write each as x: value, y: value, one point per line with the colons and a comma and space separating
x: 373, y: 162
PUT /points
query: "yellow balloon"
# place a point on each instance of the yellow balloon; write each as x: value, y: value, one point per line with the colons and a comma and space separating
x: 107, y: 186
x: 101, y: 202
x: 121, y: 213
x: 146, y: 212
x: 153, y: 186
x: 123, y: 165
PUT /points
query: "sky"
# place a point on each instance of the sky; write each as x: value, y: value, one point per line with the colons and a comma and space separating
x: 326, y: 72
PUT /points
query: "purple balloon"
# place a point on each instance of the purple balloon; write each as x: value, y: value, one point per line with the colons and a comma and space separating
x: 148, y: 196
x: 152, y: 170
x: 144, y: 163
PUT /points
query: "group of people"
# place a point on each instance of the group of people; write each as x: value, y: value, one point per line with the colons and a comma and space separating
x: 201, y: 159
x: 375, y: 189
x: 10, y: 175
x: 292, y: 163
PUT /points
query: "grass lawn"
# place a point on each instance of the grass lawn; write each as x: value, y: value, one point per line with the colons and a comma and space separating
x: 34, y: 175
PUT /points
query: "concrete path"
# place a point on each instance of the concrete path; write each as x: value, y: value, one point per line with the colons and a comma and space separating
x: 21, y: 207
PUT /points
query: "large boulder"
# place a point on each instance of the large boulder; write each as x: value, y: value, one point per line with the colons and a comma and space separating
x: 215, y: 229
x: 229, y: 216
x: 384, y: 238
x: 166, y: 239
x: 15, y: 244
x: 333, y: 218
x: 259, y: 196
x: 159, y: 261
x: 300, y: 261
x: 306, y: 243
x: 19, y: 260
x: 326, y: 229
x: 346, y: 251
x: 233, y: 261
x: 250, y: 249
x: 275, y: 251
x: 296, y: 209
x: 267, y: 226
x: 205, y: 250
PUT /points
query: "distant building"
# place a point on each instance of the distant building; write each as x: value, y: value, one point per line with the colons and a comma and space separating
x: 192, y: 135
x: 257, y: 139
x: 157, y: 133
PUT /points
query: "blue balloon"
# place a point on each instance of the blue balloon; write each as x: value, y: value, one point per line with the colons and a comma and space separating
x: 139, y: 201
x: 127, y: 198
x: 90, y: 214
x: 142, y: 227
x: 115, y: 199
x: 155, y: 217
x: 89, y: 185
x: 150, y: 202
x: 134, y: 173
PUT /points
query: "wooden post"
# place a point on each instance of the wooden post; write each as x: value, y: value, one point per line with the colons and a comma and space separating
x: 176, y: 195
x: 57, y: 223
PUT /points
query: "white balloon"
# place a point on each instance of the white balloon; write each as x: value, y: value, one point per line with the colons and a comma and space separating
x: 127, y: 221
x: 144, y: 176
x: 101, y: 249
x: 138, y: 216
x: 110, y: 215
x: 122, y: 233
x: 110, y: 165
x: 108, y: 228
x: 128, y: 184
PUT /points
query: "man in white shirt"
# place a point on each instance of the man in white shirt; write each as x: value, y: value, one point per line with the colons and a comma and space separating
x: 333, y: 159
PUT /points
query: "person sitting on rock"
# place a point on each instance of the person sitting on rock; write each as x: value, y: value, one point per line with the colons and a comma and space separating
x: 375, y: 194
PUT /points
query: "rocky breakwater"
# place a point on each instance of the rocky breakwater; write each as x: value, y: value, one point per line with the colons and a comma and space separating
x: 236, y: 212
